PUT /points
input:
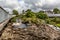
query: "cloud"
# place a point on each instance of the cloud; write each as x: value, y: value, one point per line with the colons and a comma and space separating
x: 35, y: 5
x: 43, y: 4
x: 9, y: 4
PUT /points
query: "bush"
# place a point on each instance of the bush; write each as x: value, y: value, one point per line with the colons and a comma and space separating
x: 58, y: 25
x: 57, y: 20
x: 42, y: 16
x: 13, y: 19
x: 47, y: 21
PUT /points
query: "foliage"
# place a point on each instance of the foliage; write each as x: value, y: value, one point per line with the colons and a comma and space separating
x: 29, y: 13
x: 50, y: 21
x: 15, y: 12
x: 47, y: 21
x: 56, y: 10
x: 42, y: 15
x: 32, y: 17
x: 13, y: 19
x: 57, y: 20
x: 58, y: 25
x: 53, y: 21
x: 41, y: 11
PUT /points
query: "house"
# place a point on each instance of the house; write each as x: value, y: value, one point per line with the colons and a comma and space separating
x: 49, y: 12
x: 3, y: 14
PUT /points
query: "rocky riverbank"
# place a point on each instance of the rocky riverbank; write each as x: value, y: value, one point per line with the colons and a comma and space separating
x: 34, y: 32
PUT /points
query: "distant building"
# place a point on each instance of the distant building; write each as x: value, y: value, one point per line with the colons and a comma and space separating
x: 3, y: 14
x: 49, y: 12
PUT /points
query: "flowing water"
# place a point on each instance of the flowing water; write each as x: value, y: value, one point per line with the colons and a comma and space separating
x: 19, y: 24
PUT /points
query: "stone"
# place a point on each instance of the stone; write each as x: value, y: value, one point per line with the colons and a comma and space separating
x: 41, y: 32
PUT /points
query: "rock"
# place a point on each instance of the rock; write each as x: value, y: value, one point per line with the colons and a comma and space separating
x: 34, y: 32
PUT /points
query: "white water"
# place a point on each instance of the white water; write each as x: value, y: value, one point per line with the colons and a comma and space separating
x: 19, y: 24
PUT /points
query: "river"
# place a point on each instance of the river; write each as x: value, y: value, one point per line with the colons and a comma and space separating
x: 19, y: 24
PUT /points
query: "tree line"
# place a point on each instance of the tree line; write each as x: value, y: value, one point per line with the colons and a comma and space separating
x: 40, y: 17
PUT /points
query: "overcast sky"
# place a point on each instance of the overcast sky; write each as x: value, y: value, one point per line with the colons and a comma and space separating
x: 35, y: 5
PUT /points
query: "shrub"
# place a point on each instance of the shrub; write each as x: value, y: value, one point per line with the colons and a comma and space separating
x: 58, y: 25
x: 42, y: 16
x: 13, y: 19
x: 47, y: 21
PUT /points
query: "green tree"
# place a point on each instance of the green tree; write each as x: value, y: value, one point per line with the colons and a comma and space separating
x: 28, y: 10
x: 42, y: 15
x: 15, y: 12
x: 41, y: 11
x: 29, y: 13
x: 56, y: 10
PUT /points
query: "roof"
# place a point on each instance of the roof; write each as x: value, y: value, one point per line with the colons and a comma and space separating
x: 53, y: 15
x: 49, y: 12
x: 3, y: 9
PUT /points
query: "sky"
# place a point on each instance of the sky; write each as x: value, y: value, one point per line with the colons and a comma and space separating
x: 35, y: 5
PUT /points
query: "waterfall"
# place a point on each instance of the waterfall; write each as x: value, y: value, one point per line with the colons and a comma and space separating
x: 19, y: 24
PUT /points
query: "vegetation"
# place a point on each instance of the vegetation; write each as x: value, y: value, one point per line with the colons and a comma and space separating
x: 58, y: 25
x: 15, y: 12
x: 13, y: 19
x: 30, y: 14
x: 56, y: 10
x: 40, y: 17
x: 32, y: 17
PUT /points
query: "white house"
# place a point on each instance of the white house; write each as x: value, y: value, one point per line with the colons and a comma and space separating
x: 3, y: 14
